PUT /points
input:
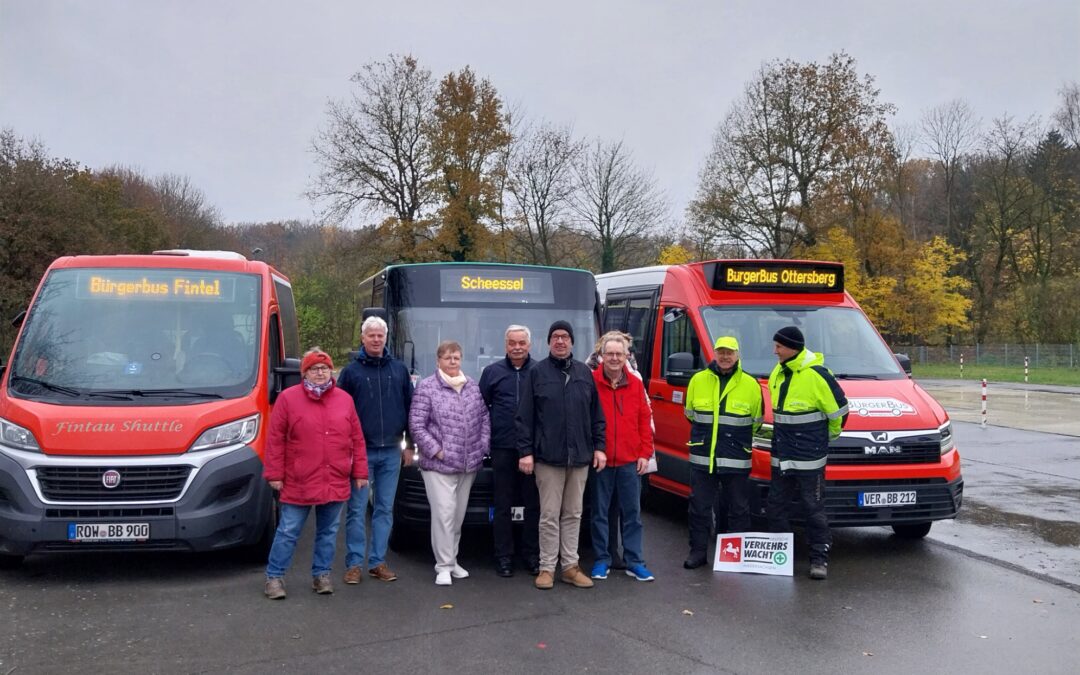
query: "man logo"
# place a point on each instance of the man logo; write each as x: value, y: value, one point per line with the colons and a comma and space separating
x: 110, y: 479
x: 879, y: 436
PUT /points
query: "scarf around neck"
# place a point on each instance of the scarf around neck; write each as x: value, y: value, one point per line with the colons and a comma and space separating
x: 316, y: 391
x: 458, y: 382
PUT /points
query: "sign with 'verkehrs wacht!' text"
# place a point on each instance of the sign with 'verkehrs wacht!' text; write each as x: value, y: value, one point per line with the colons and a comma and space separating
x: 755, y: 552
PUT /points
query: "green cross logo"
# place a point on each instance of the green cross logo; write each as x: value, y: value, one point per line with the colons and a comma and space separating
x: 779, y: 557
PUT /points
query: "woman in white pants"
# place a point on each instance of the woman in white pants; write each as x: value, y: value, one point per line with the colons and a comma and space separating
x: 449, y: 424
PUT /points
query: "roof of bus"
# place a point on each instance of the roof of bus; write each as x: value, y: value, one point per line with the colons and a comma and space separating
x: 200, y: 260
x: 486, y: 264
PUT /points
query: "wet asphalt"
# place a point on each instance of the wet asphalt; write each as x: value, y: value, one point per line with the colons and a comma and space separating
x: 998, y: 590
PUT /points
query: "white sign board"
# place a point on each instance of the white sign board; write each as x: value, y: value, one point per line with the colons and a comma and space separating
x: 755, y: 552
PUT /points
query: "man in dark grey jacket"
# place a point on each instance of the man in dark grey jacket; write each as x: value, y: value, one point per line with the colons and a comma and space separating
x: 501, y: 384
x: 560, y: 433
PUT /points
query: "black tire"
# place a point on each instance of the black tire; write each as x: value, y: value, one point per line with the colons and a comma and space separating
x: 912, y: 531
x: 259, y: 552
x: 10, y: 562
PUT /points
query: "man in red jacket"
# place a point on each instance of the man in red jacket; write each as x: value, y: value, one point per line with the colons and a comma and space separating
x: 315, y: 449
x: 629, y: 442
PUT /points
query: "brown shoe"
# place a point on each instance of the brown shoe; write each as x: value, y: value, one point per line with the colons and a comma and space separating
x: 274, y: 588
x: 545, y: 580
x: 354, y: 575
x: 574, y: 575
x: 321, y: 584
x: 382, y: 573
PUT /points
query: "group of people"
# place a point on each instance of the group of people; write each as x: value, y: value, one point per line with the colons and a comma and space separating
x: 547, y: 424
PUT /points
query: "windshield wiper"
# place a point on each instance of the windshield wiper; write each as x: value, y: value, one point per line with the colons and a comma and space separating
x: 854, y: 376
x: 161, y: 393
x: 48, y: 385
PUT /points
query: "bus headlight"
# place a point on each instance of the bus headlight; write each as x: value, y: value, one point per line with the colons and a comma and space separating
x: 946, y: 438
x: 233, y: 433
x: 17, y: 437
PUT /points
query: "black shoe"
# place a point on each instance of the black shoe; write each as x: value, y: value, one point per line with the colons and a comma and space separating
x: 695, y: 561
x: 504, y: 567
x: 819, y: 571
x: 534, y: 567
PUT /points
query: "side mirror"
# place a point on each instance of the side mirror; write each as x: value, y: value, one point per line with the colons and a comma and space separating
x: 408, y: 355
x: 18, y: 319
x: 285, y: 376
x: 905, y: 362
x: 680, y: 368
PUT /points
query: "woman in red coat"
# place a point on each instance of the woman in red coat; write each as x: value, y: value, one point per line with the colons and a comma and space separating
x: 314, y: 446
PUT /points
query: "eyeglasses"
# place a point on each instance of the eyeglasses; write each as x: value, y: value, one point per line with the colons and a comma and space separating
x: 560, y: 337
x: 319, y: 369
x: 614, y: 355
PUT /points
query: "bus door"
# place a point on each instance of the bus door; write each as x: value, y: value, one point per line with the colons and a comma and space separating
x: 667, y: 389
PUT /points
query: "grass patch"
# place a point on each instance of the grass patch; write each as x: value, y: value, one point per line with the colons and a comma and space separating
x: 950, y: 371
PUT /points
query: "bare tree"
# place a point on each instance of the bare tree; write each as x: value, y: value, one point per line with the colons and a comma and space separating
x: 1068, y: 115
x: 540, y: 183
x: 949, y: 131
x: 799, y: 131
x: 616, y: 203
x: 374, y: 154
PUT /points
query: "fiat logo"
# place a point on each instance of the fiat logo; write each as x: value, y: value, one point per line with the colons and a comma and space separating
x: 110, y: 479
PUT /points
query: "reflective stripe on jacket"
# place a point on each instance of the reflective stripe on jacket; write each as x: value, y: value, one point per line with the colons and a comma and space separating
x: 809, y: 410
x: 722, y: 423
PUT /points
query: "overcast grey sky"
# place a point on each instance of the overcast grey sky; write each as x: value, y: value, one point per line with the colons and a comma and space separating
x: 230, y: 92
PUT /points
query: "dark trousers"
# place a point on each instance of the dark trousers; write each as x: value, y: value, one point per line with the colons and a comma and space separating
x: 810, y: 488
x: 734, y: 497
x: 513, y: 488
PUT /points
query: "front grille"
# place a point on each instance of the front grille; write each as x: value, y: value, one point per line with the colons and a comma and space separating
x: 936, y: 500
x: 137, y: 483
x: 913, y: 450
x: 123, y: 512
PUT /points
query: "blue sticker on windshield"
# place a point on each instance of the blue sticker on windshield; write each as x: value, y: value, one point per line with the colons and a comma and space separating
x: 133, y: 368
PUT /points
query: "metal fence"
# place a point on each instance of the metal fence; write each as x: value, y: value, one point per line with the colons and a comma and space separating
x: 1038, y: 355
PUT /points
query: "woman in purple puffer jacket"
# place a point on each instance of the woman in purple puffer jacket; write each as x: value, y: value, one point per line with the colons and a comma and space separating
x: 449, y: 424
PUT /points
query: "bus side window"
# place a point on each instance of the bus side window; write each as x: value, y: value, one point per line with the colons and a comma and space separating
x: 679, y: 336
x: 640, y: 322
x: 615, y: 314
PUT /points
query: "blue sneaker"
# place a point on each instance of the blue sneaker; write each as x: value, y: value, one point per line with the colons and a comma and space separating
x: 639, y: 572
x: 599, y: 571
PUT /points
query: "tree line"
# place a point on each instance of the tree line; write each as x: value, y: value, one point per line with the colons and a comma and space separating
x: 950, y: 230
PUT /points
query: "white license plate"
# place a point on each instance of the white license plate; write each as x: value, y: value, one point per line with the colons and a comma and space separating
x: 887, y: 498
x: 108, y: 531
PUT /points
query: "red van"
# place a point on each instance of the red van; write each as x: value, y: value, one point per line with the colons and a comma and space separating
x: 134, y: 405
x: 895, y: 462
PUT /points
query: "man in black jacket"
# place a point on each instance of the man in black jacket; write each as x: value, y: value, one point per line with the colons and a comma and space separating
x: 501, y: 384
x: 560, y: 432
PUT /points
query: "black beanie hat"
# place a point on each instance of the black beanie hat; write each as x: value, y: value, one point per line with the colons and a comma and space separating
x: 561, y: 325
x: 791, y: 337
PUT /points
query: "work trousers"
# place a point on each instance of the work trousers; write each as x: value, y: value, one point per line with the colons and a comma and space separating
x: 561, y: 494
x: 513, y: 488
x: 734, y: 493
x: 810, y: 488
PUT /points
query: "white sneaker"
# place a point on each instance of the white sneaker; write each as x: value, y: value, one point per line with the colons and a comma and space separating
x: 443, y: 579
x: 459, y: 572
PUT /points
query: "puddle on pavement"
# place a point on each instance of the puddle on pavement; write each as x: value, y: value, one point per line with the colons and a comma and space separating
x: 1057, y: 532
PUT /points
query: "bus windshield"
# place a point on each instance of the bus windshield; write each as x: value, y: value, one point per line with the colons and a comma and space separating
x: 482, y: 333
x: 141, y: 335
x: 474, y: 303
x: 851, y: 346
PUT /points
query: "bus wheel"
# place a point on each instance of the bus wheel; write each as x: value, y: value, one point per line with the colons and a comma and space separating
x: 913, y: 531
x: 10, y: 562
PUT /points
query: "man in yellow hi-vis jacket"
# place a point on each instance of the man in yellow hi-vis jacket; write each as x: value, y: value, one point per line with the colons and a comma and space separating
x: 724, y: 406
x: 809, y: 409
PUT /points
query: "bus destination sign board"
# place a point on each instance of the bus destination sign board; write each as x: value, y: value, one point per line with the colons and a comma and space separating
x: 480, y: 285
x: 779, y: 276
x: 154, y: 285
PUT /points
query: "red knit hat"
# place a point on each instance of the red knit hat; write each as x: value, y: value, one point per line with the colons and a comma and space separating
x: 315, y: 358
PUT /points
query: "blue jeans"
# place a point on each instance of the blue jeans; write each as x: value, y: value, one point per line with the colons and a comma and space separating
x: 291, y: 519
x: 384, y: 466
x: 626, y: 484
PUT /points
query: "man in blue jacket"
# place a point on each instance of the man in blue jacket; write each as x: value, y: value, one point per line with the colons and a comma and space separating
x: 501, y: 384
x: 382, y: 392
